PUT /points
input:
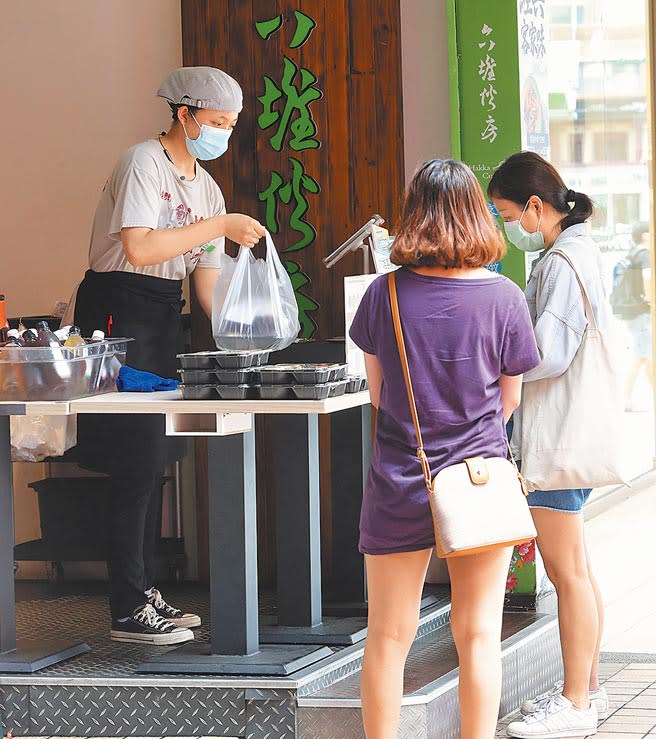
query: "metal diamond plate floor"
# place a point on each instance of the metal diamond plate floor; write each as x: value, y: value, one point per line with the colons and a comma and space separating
x: 43, y: 611
x: 86, y: 617
x: 100, y: 693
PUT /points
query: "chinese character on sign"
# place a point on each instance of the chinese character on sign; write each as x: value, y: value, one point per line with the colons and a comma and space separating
x: 487, y: 96
x: 304, y: 27
x: 286, y: 107
x: 305, y: 303
x: 532, y: 7
x: 291, y: 192
x: 491, y: 130
x: 533, y: 39
x: 297, y: 101
x: 487, y: 71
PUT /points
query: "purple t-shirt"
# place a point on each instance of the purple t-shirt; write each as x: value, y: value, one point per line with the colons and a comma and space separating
x: 460, y: 335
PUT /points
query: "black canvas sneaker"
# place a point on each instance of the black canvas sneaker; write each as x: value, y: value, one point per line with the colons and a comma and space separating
x: 171, y: 613
x: 146, y: 626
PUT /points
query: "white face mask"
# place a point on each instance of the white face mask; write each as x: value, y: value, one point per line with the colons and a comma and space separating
x: 211, y: 143
x: 521, y: 238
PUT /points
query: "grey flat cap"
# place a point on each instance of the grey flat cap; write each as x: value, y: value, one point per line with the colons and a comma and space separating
x: 202, y: 87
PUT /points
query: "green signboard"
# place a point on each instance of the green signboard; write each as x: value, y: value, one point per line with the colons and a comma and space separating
x: 485, y: 93
x: 498, y: 81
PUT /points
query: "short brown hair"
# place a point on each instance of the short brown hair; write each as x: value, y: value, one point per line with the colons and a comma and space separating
x: 445, y: 220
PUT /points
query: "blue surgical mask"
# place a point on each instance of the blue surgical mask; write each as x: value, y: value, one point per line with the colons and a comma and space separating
x: 521, y: 238
x: 210, y: 144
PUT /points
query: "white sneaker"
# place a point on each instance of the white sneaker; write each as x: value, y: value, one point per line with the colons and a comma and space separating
x: 556, y: 718
x: 598, y: 698
x: 171, y: 613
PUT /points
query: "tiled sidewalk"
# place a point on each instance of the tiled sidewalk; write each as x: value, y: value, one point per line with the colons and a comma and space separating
x: 632, y: 692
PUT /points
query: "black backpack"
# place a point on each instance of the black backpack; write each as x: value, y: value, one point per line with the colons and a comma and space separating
x: 627, y: 297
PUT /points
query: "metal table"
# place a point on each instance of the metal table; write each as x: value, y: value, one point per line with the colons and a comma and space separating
x: 235, y: 640
x: 23, y: 655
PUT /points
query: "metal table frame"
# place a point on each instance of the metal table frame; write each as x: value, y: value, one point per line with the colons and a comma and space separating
x: 21, y: 656
x: 235, y: 639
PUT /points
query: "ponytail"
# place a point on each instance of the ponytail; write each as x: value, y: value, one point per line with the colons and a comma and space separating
x: 527, y: 173
x: 579, y: 212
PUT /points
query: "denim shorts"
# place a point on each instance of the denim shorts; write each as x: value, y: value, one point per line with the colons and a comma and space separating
x: 571, y: 500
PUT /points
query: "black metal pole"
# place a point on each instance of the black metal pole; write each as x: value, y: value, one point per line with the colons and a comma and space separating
x: 233, y: 544
x: 7, y: 594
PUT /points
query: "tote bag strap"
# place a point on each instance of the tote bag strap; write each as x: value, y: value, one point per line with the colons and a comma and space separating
x: 400, y: 343
x: 589, y: 313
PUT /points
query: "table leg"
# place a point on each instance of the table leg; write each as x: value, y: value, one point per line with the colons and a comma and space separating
x: 234, y: 648
x: 351, y: 452
x: 233, y: 544
x: 351, y: 442
x: 298, y: 524
x: 300, y: 619
x: 24, y: 655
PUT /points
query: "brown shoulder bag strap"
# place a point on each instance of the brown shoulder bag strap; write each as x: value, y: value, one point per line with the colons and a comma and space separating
x: 400, y: 343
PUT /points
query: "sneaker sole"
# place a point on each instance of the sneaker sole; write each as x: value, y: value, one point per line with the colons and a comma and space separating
x: 555, y: 734
x: 186, y: 622
x: 156, y: 639
x: 601, y: 714
x: 519, y: 734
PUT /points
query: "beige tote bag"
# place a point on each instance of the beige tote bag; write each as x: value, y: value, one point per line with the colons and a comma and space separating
x: 571, y: 433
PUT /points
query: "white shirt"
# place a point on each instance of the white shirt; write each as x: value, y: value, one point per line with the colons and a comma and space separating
x: 145, y: 190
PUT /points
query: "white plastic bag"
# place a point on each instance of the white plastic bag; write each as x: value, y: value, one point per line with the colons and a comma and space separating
x: 253, y: 306
x: 34, y: 438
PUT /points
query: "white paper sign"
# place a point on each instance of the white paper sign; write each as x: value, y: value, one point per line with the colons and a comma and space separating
x: 354, y: 289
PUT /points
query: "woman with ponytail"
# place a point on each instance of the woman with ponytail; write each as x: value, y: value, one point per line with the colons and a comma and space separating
x: 541, y: 214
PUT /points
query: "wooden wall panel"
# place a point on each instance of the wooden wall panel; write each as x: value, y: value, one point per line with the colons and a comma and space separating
x: 354, y: 52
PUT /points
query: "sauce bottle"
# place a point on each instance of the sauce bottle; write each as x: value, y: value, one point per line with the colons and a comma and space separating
x: 29, y: 337
x: 46, y: 337
x: 74, y: 337
x: 4, y: 323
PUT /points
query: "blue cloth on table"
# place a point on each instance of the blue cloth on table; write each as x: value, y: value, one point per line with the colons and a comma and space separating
x: 132, y: 380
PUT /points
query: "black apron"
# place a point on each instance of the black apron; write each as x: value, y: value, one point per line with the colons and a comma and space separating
x: 146, y: 309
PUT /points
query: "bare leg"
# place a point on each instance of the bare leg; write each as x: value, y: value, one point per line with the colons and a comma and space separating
x: 562, y: 546
x: 394, y: 585
x: 594, y: 672
x: 478, y: 584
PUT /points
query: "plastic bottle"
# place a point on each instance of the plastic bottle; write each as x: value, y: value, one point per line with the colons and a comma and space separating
x: 4, y: 323
x: 74, y: 337
x: 97, y: 336
x: 29, y: 337
x: 62, y: 333
x: 46, y: 337
x: 13, y: 338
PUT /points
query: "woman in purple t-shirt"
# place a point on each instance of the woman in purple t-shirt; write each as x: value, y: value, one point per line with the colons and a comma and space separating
x: 469, y: 338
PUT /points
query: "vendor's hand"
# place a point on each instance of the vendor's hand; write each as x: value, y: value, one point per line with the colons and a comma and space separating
x: 242, y: 229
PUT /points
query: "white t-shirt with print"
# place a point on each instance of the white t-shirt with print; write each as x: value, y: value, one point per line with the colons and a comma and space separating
x: 145, y: 190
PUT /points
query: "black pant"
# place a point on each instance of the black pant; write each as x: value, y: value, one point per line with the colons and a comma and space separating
x: 133, y: 449
x: 134, y: 521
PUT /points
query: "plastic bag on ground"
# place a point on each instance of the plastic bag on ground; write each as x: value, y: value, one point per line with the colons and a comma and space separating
x: 254, y: 307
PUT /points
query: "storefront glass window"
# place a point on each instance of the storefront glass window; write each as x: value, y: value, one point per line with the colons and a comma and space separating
x: 599, y: 132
